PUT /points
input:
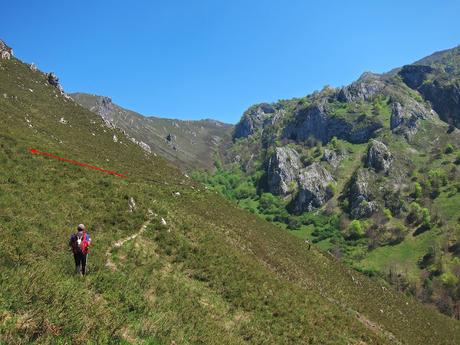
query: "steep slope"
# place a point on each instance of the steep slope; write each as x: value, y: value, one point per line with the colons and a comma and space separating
x: 369, y: 171
x: 188, y: 144
x: 203, y: 271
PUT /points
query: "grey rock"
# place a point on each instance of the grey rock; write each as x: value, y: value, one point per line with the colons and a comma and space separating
x: 170, y: 138
x: 361, y: 195
x: 444, y: 98
x: 6, y: 52
x: 313, y: 188
x: 315, y: 121
x: 310, y: 121
x: 405, y: 117
x: 145, y: 146
x: 415, y: 75
x: 132, y: 204
x: 257, y: 117
x: 437, y: 85
x: 332, y: 157
x: 368, y: 85
x: 379, y: 157
x: 282, y: 171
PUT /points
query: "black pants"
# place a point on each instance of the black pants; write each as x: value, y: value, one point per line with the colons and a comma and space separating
x: 80, y: 262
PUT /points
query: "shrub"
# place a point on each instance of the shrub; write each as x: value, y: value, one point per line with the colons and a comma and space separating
x: 415, y: 213
x: 449, y: 149
x: 426, y: 218
x: 457, y: 160
x: 387, y: 213
x: 449, y: 279
x: 331, y: 189
x: 355, y: 230
x: 334, y: 143
x: 418, y: 191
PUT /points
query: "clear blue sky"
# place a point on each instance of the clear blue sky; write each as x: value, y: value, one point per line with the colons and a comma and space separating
x: 195, y: 59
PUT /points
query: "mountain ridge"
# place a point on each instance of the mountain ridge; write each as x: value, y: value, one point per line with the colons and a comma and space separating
x: 187, y: 143
x: 366, y: 171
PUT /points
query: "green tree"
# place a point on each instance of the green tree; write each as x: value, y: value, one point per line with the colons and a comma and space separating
x: 355, y: 229
x: 418, y: 191
x: 426, y: 218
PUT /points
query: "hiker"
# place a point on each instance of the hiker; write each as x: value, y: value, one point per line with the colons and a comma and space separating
x: 79, y: 243
x: 307, y: 242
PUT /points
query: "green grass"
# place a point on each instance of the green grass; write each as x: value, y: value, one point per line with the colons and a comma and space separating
x: 402, y: 257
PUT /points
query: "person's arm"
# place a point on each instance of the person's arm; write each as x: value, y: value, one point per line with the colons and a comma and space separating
x: 71, y: 242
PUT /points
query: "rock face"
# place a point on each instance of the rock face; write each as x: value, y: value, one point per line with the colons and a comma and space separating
x: 360, y: 196
x: 405, y: 117
x: 415, y: 75
x: 6, y: 52
x: 282, y: 171
x: 313, y: 187
x: 379, y: 157
x: 442, y: 89
x: 314, y: 121
x: 256, y: 117
x: 363, y: 89
x: 445, y: 99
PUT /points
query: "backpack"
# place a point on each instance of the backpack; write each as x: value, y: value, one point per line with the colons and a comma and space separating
x: 84, y: 244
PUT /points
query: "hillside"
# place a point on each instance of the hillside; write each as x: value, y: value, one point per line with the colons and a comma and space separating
x: 369, y: 172
x: 203, y: 271
x: 188, y: 144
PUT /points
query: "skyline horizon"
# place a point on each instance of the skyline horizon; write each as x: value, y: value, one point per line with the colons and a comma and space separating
x: 210, y: 118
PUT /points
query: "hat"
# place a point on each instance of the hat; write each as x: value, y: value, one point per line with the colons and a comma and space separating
x: 80, y: 227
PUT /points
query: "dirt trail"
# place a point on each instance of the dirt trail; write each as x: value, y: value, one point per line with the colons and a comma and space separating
x: 109, y: 263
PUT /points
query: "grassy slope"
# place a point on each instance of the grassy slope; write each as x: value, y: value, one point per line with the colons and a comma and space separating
x: 213, y: 274
x: 197, y: 142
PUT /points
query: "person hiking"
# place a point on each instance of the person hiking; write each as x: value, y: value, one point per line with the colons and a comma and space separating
x: 79, y: 243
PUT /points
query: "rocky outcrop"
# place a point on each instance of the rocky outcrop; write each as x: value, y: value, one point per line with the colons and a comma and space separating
x: 145, y: 146
x: 361, y: 196
x: 405, y: 116
x: 282, y: 171
x: 257, y: 117
x: 54, y: 81
x: 415, y: 75
x: 367, y: 86
x: 315, y: 121
x: 332, y: 157
x: 445, y: 99
x: 379, y: 157
x: 6, y: 52
x: 171, y: 140
x: 440, y: 88
x: 314, y: 182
